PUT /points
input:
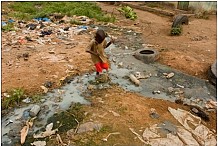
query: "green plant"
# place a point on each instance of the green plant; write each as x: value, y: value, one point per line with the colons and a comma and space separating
x: 30, y: 10
x: 15, y: 95
x: 75, y: 22
x: 36, y: 98
x: 176, y: 31
x: 8, y: 27
x: 128, y: 12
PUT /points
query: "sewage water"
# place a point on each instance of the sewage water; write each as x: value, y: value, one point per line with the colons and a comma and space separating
x: 122, y: 64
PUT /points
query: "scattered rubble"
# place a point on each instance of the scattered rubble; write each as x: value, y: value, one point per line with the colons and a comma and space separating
x: 47, y: 133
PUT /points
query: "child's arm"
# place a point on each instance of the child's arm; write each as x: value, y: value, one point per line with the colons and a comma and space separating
x: 89, y: 49
x: 91, y: 52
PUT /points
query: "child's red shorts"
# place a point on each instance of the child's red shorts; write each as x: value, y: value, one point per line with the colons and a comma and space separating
x: 100, y: 66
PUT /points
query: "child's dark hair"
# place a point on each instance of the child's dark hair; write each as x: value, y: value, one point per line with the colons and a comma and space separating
x: 100, y: 36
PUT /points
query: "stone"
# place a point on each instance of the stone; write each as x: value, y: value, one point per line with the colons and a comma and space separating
x: 34, y: 111
x: 89, y: 126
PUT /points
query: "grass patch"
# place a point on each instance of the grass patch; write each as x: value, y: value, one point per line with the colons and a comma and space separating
x: 30, y: 10
x: 15, y: 95
x: 8, y: 27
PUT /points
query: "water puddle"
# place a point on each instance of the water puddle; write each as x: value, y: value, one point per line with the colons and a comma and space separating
x: 122, y: 64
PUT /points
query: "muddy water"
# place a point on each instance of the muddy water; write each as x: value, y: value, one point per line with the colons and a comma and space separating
x: 122, y: 64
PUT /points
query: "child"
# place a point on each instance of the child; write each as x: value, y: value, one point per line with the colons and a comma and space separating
x: 96, y: 49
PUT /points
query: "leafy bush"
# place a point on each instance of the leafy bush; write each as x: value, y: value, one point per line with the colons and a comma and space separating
x: 176, y: 31
x: 128, y: 12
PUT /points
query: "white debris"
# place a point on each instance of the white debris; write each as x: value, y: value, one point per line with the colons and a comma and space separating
x: 170, y: 140
x: 170, y: 75
x: 48, y: 132
x: 44, y: 89
x: 134, y: 79
x: 192, y: 124
x: 114, y: 133
x: 39, y: 143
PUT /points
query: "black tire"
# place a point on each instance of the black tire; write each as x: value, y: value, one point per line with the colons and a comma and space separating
x: 180, y: 20
x: 212, y: 74
x: 147, y: 55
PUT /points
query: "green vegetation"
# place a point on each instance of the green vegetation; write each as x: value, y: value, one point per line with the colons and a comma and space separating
x: 15, y: 96
x: 75, y: 22
x: 8, y: 27
x: 30, y: 10
x: 176, y: 31
x: 128, y: 12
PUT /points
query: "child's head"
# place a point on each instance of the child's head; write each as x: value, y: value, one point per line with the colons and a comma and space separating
x: 100, y: 36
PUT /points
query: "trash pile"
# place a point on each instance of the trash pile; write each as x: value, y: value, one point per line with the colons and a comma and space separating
x: 38, y: 29
x: 192, y: 131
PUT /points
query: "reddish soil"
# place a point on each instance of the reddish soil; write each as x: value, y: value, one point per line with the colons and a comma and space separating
x: 192, y: 53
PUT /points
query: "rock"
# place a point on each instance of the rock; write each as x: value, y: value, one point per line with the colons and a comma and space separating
x: 170, y: 89
x: 89, y: 126
x: 34, y: 111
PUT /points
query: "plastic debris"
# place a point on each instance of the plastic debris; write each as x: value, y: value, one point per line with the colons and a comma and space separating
x: 192, y: 124
x: 138, y: 75
x: 4, y: 24
x: 9, y: 122
x: 27, y: 100
x: 170, y: 75
x: 39, y: 143
x: 150, y: 132
x: 139, y: 136
x: 31, y: 26
x: 11, y: 21
x: 44, y: 88
x: 134, y: 79
x: 25, y: 130
x: 156, y: 92
x: 47, y: 133
x: 211, y: 104
x: 42, y: 19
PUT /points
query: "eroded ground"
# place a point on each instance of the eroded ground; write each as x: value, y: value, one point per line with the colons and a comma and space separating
x: 192, y: 53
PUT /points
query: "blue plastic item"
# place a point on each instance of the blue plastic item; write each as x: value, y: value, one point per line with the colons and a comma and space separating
x: 4, y: 24
x: 82, y: 27
x: 42, y: 19
x: 11, y: 21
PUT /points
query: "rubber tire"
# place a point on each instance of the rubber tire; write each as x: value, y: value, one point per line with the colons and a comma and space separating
x: 180, y: 20
x: 212, y: 75
x: 147, y: 58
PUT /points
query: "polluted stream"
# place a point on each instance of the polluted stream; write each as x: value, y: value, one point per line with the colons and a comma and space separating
x: 123, y: 63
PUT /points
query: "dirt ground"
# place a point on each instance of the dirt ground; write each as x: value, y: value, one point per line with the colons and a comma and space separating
x: 192, y: 53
